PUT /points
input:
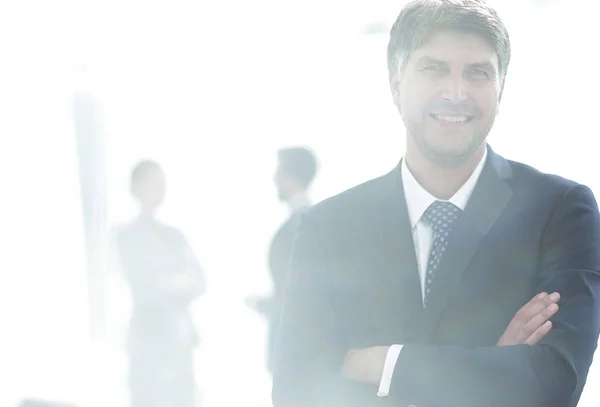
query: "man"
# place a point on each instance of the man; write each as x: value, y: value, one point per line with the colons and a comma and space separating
x: 458, y: 279
x: 164, y: 279
x: 296, y: 171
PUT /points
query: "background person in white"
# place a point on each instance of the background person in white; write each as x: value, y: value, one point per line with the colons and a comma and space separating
x: 384, y: 298
x: 165, y: 278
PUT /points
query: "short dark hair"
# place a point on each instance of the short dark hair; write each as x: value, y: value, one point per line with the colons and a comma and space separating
x: 299, y: 162
x: 142, y: 169
x: 419, y: 19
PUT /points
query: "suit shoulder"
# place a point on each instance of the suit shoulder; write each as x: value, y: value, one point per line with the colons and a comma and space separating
x: 552, y: 189
x: 349, y: 202
x: 539, y: 181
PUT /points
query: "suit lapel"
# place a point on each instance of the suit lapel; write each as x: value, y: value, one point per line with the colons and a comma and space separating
x: 489, y: 198
x: 400, y: 273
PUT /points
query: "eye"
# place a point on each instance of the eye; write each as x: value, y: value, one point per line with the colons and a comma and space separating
x: 478, y: 73
x: 432, y: 68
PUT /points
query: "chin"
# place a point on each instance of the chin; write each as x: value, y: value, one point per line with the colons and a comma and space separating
x: 455, y: 143
x: 448, y: 155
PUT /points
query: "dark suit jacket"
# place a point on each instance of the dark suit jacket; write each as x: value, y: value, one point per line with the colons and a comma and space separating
x: 353, y: 283
x: 280, y: 252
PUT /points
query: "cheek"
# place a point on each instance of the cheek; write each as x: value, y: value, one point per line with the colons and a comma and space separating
x: 488, y: 105
x: 487, y: 99
x: 414, y: 103
x: 418, y: 95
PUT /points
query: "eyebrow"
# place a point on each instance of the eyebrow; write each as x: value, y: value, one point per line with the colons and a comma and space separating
x: 430, y: 60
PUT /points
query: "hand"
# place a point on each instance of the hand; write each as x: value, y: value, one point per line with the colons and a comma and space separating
x: 252, y: 302
x: 258, y: 304
x: 365, y: 365
x: 531, y: 323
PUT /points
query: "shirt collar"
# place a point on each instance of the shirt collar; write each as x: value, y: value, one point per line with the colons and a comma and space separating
x: 418, y: 198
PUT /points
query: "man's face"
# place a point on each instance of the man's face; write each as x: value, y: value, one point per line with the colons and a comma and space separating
x: 448, y: 95
x: 283, y: 184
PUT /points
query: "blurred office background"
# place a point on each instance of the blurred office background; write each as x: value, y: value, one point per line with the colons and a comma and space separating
x: 211, y: 89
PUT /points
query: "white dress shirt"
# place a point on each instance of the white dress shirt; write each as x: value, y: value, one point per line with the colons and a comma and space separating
x: 417, y: 202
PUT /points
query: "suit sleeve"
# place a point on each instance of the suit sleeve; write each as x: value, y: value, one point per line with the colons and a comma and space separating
x: 306, y: 362
x: 551, y: 373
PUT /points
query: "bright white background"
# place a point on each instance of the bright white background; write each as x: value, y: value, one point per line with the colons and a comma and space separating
x: 211, y: 89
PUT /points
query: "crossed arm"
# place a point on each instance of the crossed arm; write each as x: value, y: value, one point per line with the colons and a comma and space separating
x: 529, y: 325
x: 531, y: 366
x: 156, y: 281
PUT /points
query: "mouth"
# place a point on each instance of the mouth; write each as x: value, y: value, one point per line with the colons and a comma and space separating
x: 458, y: 119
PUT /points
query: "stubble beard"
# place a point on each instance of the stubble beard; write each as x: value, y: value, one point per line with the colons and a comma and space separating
x: 441, y: 157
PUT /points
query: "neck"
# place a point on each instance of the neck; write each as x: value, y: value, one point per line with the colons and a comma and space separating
x: 298, y: 200
x: 146, y: 212
x: 439, y: 181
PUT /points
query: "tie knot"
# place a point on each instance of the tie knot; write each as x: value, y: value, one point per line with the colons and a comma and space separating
x: 441, y: 215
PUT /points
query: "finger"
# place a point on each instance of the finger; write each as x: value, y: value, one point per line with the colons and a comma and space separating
x: 537, y: 321
x: 526, y: 312
x: 543, y: 297
x: 535, y: 306
x: 539, y: 333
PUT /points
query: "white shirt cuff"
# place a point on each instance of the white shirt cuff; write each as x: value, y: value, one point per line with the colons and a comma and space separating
x: 388, y: 370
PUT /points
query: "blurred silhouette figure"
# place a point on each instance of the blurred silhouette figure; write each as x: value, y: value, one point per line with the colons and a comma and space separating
x: 296, y: 170
x: 164, y: 278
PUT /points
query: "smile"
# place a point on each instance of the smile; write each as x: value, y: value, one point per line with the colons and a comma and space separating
x: 451, y: 118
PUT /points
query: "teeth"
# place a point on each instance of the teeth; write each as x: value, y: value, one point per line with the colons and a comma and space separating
x: 454, y: 119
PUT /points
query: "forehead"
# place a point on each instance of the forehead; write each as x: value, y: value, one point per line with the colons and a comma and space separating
x: 456, y: 47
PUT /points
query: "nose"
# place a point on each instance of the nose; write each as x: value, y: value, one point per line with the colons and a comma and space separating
x: 455, y: 89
